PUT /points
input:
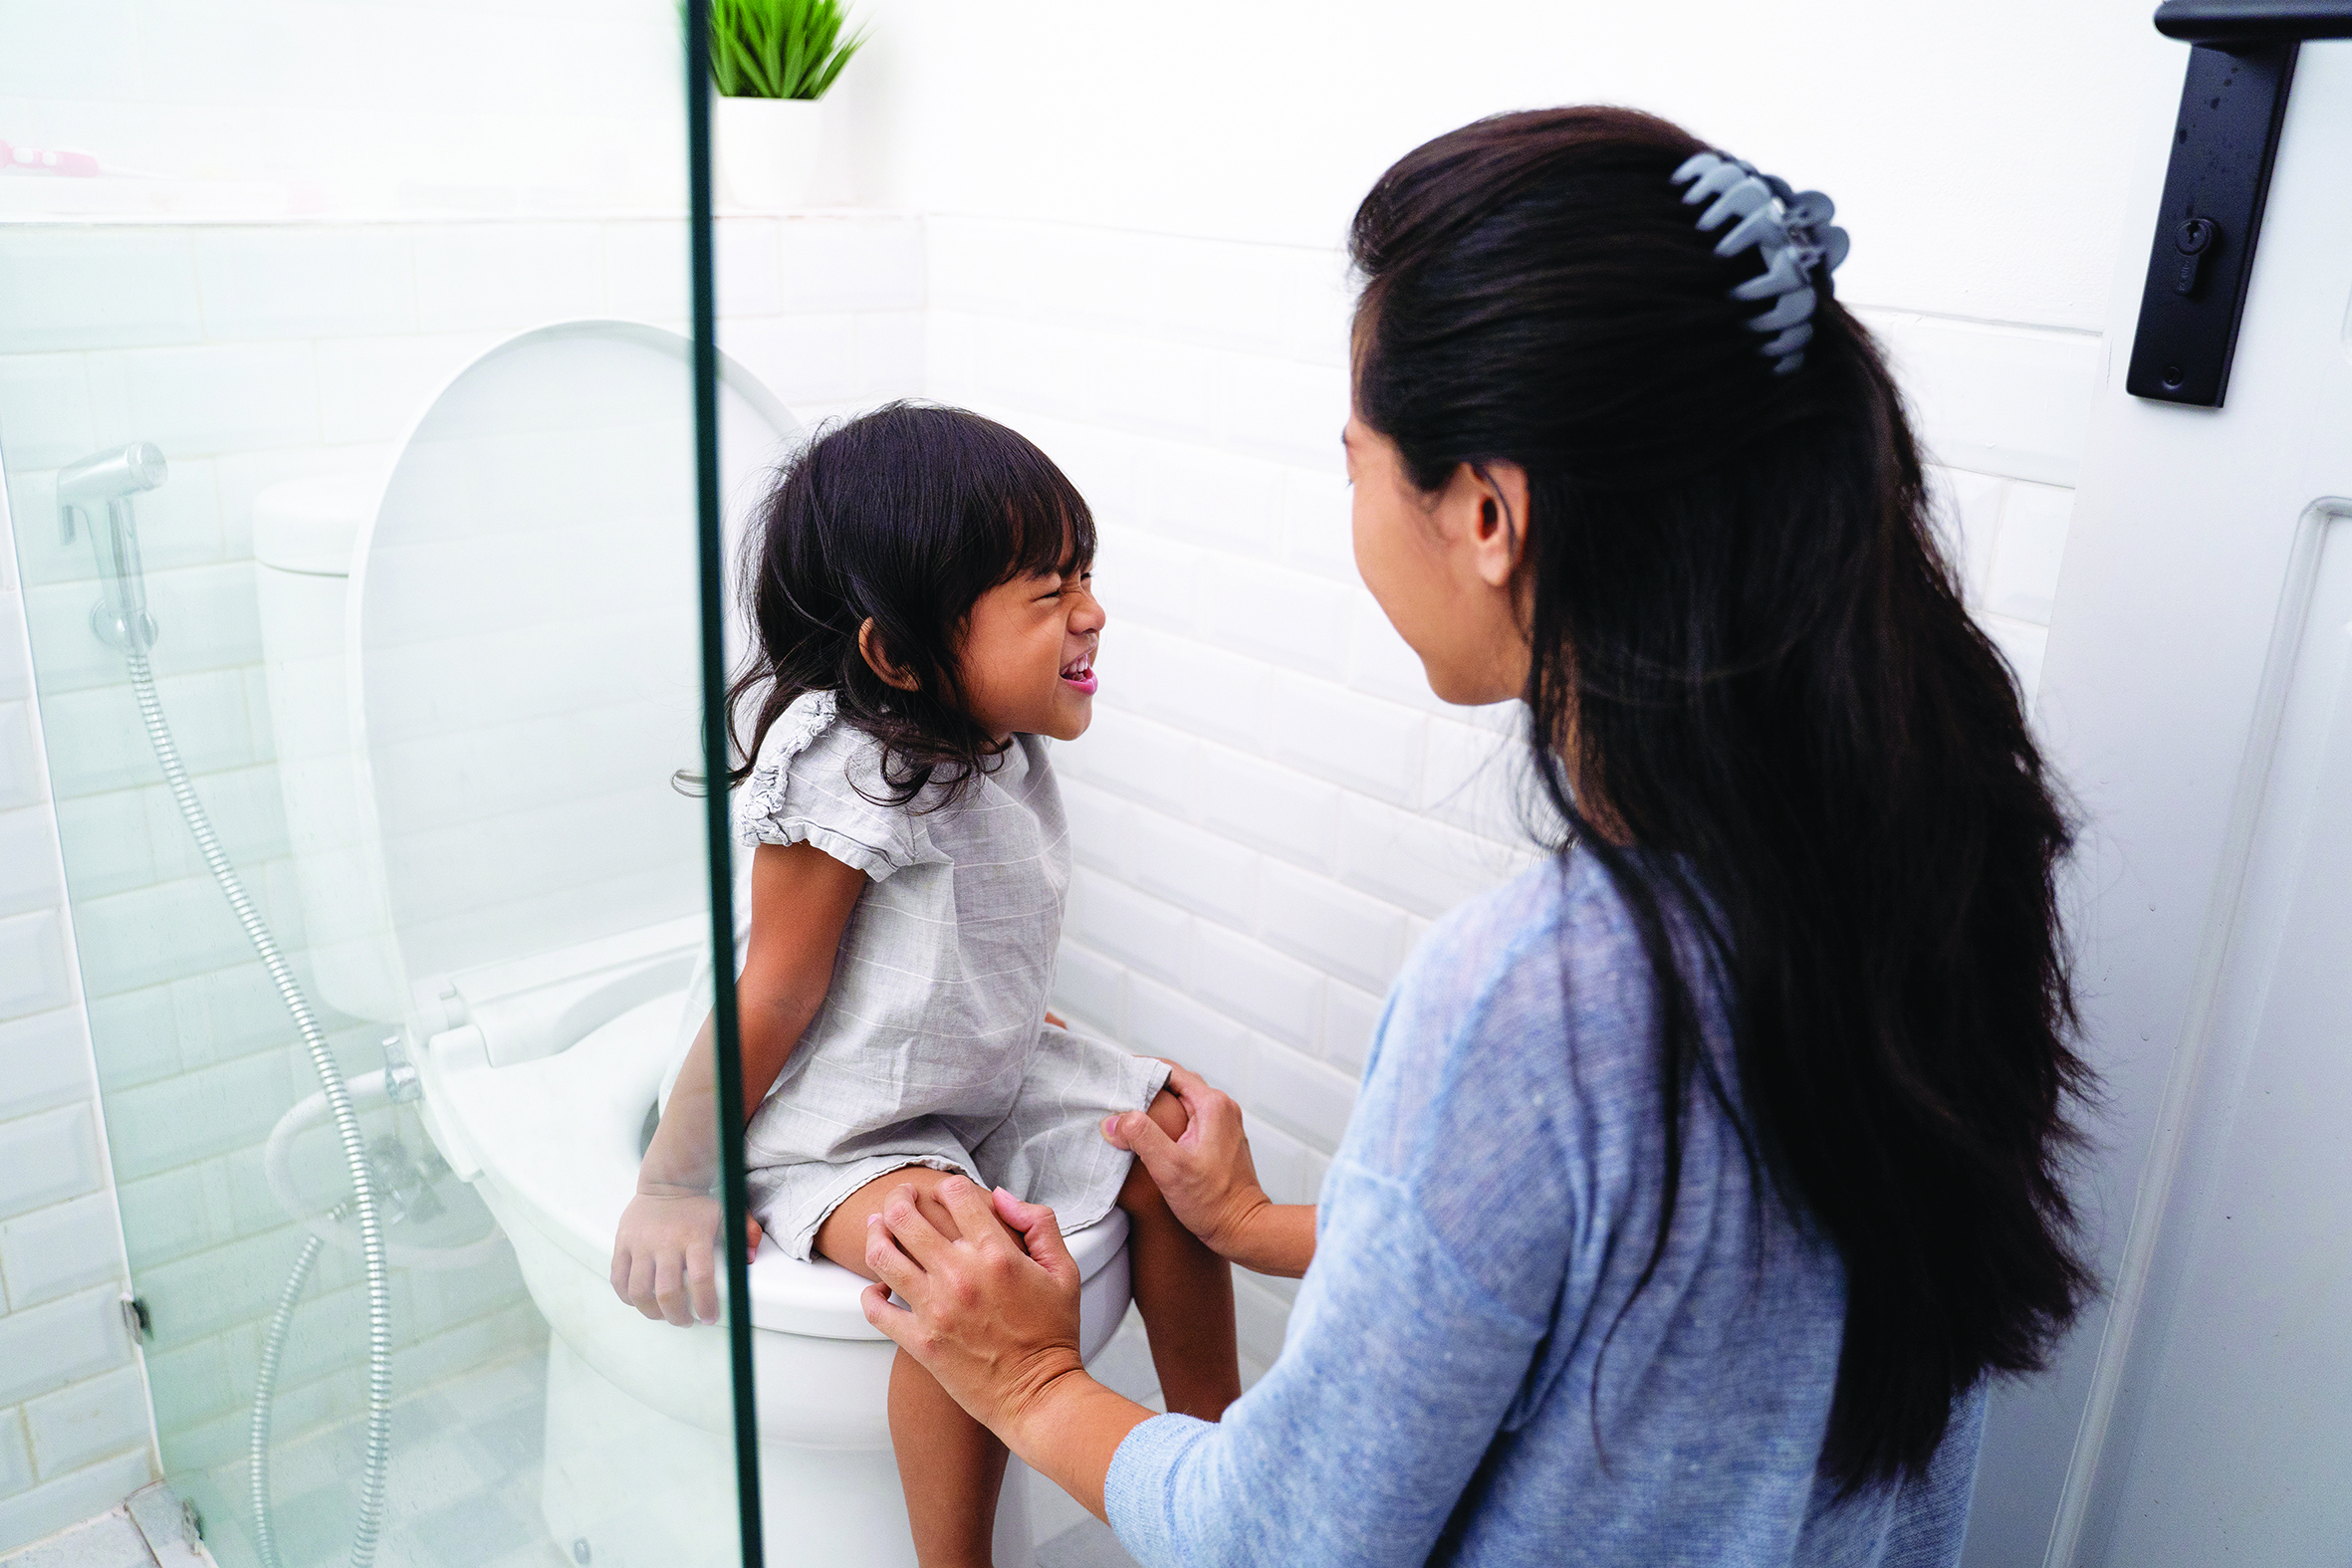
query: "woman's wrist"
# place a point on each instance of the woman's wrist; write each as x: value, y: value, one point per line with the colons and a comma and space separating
x: 1067, y: 1428
x: 1269, y: 1238
x: 1039, y: 1397
x: 1237, y: 1229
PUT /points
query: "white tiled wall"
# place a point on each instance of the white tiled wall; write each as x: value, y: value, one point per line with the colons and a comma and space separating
x: 75, y: 1434
x: 1272, y: 807
x: 2002, y: 412
x: 250, y: 354
x: 1269, y: 810
x: 260, y: 109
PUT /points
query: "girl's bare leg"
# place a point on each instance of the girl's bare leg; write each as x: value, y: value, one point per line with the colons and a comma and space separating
x: 950, y: 1465
x: 1184, y: 1291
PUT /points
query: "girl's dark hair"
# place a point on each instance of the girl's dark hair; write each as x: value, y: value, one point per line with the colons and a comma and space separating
x: 903, y: 515
x: 1796, y: 744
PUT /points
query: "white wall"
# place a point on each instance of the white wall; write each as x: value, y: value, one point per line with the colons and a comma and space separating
x: 1136, y: 215
x: 75, y: 1433
x: 1133, y: 255
x: 270, y: 107
x: 363, y: 108
x: 1271, y: 806
x: 251, y: 354
x: 1972, y: 148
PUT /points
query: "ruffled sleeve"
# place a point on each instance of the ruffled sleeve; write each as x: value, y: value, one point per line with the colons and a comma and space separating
x: 815, y: 783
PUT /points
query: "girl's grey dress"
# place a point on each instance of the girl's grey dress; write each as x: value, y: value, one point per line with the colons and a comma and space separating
x: 931, y: 1047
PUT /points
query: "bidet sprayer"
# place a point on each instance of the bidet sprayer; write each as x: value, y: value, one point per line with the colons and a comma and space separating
x: 111, y: 478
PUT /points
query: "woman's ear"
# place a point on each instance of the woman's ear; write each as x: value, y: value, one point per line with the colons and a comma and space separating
x: 877, y: 659
x: 1499, y: 532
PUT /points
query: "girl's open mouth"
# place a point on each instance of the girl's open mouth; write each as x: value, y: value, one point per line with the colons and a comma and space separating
x: 1080, y: 674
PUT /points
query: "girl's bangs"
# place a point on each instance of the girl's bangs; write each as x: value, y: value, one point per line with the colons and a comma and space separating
x: 1048, y: 529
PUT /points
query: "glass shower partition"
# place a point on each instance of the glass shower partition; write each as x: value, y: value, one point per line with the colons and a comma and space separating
x: 360, y: 497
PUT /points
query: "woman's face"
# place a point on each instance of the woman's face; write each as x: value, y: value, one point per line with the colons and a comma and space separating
x: 1445, y: 565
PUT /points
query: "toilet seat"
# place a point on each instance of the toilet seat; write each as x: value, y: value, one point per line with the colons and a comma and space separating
x: 565, y: 1151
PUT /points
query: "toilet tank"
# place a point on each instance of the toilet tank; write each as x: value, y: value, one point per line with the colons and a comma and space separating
x: 305, y: 535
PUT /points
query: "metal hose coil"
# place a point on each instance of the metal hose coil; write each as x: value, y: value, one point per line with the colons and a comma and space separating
x: 354, y: 1150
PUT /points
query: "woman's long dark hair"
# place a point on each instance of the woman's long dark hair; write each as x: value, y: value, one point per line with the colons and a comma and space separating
x: 1751, y: 652
x: 904, y: 516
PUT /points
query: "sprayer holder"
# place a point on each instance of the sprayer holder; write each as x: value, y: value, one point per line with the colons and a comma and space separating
x: 106, y: 481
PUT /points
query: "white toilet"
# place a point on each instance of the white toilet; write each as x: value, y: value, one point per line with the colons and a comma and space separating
x: 483, y: 673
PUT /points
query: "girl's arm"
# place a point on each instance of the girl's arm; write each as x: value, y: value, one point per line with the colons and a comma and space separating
x: 662, y: 1261
x: 801, y: 902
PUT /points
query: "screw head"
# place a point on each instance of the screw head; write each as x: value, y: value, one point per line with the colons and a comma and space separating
x: 580, y: 1551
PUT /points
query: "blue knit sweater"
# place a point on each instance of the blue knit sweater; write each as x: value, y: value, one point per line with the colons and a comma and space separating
x: 1479, y: 1239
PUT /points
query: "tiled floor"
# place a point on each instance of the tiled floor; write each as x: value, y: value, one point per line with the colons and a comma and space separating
x: 109, y: 1541
x: 150, y: 1530
x: 462, y: 1489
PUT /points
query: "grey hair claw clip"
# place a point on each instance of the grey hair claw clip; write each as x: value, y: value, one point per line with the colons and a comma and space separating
x: 1791, y: 230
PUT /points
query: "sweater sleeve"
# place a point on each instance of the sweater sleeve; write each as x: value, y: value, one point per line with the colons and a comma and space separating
x: 1357, y: 1444
x: 1443, y: 1230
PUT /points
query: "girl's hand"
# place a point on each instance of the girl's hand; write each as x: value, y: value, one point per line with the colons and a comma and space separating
x: 664, y: 1256
x: 995, y: 1323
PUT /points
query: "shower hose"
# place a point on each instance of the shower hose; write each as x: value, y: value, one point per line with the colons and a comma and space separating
x: 361, y: 1204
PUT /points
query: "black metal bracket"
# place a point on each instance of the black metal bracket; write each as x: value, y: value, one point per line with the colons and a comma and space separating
x: 2223, y: 142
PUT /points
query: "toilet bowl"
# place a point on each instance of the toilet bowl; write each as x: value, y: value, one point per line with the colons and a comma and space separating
x: 551, y: 1144
x: 483, y: 674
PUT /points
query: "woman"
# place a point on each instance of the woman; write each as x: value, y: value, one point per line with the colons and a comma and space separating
x: 1700, y: 1178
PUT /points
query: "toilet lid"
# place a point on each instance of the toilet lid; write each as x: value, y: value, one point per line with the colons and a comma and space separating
x: 525, y: 647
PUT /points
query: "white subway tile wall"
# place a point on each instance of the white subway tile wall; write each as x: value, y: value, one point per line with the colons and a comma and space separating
x: 1271, y: 809
x: 75, y: 1436
x: 1271, y: 806
x: 250, y: 354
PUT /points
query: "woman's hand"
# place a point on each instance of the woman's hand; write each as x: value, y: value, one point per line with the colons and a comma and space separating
x: 1211, y: 1183
x: 997, y: 1323
x: 664, y: 1255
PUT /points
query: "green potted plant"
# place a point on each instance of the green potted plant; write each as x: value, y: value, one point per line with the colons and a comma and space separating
x: 771, y: 64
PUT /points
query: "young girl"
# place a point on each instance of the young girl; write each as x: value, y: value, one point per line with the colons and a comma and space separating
x: 920, y: 590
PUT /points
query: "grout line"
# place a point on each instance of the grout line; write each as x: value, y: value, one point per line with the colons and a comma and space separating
x: 2023, y: 328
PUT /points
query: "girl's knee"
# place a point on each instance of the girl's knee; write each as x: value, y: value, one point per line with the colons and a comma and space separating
x: 932, y: 1206
x: 1168, y: 1113
x: 1140, y: 1195
x: 842, y: 1237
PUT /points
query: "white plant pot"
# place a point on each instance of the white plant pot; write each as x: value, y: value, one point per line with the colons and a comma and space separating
x: 766, y: 151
